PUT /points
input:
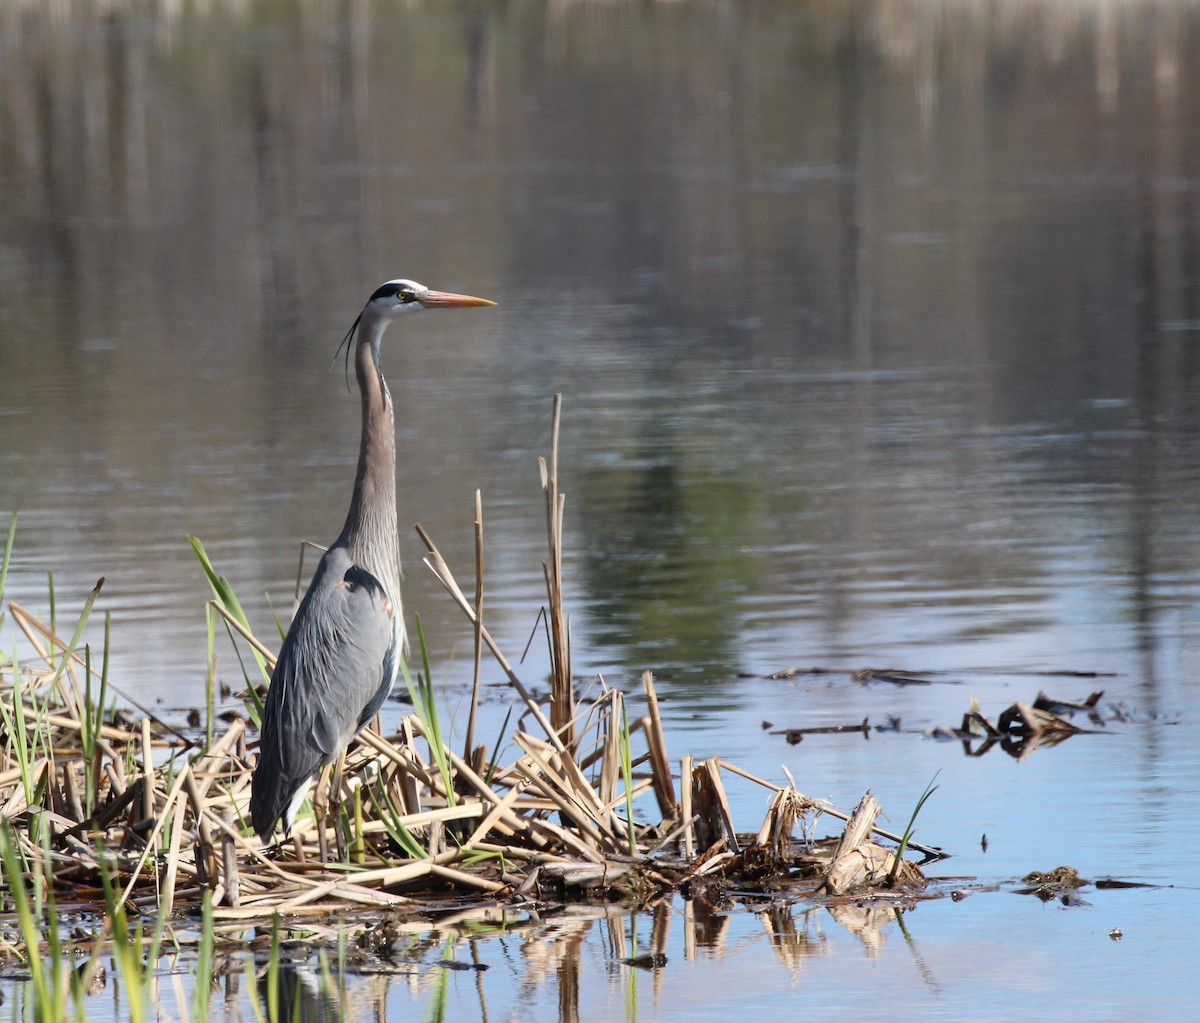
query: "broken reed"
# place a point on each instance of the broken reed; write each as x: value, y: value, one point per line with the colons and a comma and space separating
x: 166, y: 826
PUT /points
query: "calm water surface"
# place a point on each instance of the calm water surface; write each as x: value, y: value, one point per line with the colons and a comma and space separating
x: 877, y: 327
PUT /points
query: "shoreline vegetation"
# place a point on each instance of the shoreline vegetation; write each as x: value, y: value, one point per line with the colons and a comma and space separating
x: 117, y: 830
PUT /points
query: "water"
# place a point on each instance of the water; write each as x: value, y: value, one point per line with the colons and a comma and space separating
x: 876, y: 326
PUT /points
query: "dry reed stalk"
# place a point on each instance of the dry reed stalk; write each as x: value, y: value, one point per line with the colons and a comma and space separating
x: 71, y: 792
x: 469, y: 741
x: 172, y: 873
x: 347, y: 892
x: 610, y: 749
x: 856, y: 862
x: 216, y: 753
x: 562, y: 698
x: 567, y: 806
x: 246, y: 634
x: 206, y: 867
x: 172, y: 797
x: 826, y: 808
x: 16, y: 802
x: 437, y: 565
x: 673, y: 835
x: 147, y: 772
x: 685, y: 803
x: 516, y: 852
x: 561, y: 778
x: 566, y: 767
x: 70, y: 724
x: 664, y: 783
x: 502, y: 810
x: 233, y: 888
x: 641, y: 787
x: 565, y: 838
x: 461, y: 812
x: 713, y: 806
x: 734, y: 769
x: 461, y: 877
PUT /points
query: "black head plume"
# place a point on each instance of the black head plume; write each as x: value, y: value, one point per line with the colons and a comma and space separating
x: 346, y: 344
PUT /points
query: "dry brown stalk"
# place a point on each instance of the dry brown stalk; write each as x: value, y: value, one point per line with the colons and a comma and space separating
x: 172, y: 797
x: 173, y: 857
x: 441, y: 570
x: 712, y: 806
x: 664, y: 783
x: 245, y: 633
x: 562, y: 697
x: 461, y: 877
x: 469, y: 741
x: 686, y: 776
x: 568, y: 807
x: 562, y: 781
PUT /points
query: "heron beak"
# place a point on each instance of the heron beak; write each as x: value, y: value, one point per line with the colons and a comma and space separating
x: 446, y: 300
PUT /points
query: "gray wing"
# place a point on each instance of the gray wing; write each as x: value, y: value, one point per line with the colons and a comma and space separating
x: 334, y: 671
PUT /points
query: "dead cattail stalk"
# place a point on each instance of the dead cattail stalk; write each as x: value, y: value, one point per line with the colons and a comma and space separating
x: 437, y: 565
x: 712, y: 805
x: 664, y: 783
x: 469, y: 741
x: 562, y: 697
x: 686, y: 776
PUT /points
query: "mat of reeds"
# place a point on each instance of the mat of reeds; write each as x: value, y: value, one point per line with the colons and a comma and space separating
x: 586, y: 803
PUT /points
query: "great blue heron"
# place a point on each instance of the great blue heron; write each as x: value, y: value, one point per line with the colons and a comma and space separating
x: 342, y: 652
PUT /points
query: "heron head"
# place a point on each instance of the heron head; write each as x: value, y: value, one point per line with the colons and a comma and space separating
x: 391, y: 299
x: 394, y: 297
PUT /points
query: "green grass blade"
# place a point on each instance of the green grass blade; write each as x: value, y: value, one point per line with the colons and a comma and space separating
x: 425, y: 704
x: 77, y: 635
x: 623, y: 741
x: 7, y: 559
x: 223, y: 592
x: 930, y: 789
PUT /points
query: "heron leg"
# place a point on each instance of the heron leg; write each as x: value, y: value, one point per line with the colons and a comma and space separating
x: 320, y: 807
x: 335, y: 803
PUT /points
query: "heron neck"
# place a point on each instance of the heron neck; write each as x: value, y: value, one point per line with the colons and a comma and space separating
x: 370, y: 530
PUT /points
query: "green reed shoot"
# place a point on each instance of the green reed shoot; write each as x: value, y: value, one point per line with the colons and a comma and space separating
x: 930, y: 789
x: 53, y: 984
x: 77, y: 635
x: 43, y: 973
x: 625, y: 747
x: 53, y: 605
x: 422, y: 694
x: 224, y: 595
x: 134, y: 959
x: 389, y: 815
x: 94, y: 714
x: 210, y: 675
x: 202, y: 992
x: 14, y: 728
x: 6, y: 560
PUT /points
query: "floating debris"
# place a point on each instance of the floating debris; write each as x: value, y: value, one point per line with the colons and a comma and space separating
x: 1022, y: 728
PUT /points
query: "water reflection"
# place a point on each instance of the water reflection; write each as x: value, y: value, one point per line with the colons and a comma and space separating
x: 564, y: 963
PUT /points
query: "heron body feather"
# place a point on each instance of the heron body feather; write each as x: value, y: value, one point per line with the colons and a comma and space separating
x: 339, y: 661
x: 344, y: 648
